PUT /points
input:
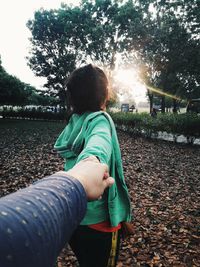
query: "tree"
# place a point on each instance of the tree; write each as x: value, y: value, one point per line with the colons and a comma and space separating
x: 161, y: 33
x: 39, y: 99
x: 13, y: 91
x: 10, y: 88
x: 188, y: 12
x: 1, y: 67
x: 169, y: 54
x: 96, y: 31
x: 54, y: 55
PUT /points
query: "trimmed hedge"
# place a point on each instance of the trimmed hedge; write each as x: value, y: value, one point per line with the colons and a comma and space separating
x: 33, y: 114
x: 186, y: 124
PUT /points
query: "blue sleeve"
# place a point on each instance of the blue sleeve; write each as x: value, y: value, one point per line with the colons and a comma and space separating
x: 36, y: 222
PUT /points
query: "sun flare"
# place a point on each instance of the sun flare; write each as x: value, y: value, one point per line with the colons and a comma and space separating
x: 130, y: 88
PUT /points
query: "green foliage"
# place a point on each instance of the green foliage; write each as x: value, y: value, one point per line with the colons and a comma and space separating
x: 33, y: 114
x: 12, y: 90
x: 15, y: 92
x: 97, y: 30
x: 40, y: 99
x: 54, y: 47
x: 172, y: 53
x: 136, y: 123
x: 143, y: 124
x: 167, y: 40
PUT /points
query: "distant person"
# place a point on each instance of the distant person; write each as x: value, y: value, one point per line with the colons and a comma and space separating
x: 91, y: 132
x: 36, y: 222
x: 154, y: 113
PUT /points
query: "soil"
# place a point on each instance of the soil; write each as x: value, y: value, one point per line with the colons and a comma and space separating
x: 163, y: 180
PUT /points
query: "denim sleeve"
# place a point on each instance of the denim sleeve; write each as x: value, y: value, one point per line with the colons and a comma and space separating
x: 36, y: 222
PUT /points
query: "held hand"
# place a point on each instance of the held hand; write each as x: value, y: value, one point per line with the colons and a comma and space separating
x: 93, y: 176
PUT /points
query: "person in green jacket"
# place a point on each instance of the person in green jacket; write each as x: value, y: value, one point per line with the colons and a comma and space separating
x: 91, y: 132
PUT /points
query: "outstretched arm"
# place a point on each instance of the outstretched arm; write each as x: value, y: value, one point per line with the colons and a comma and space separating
x: 36, y: 222
x: 98, y: 141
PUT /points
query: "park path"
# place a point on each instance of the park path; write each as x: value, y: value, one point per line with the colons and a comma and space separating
x: 164, y: 185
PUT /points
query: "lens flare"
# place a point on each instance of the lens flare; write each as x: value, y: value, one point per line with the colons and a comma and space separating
x: 160, y: 92
x: 129, y: 86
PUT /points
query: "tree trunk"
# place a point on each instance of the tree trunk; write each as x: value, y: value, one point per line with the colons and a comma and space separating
x: 174, y: 105
x: 150, y: 101
x: 163, y: 104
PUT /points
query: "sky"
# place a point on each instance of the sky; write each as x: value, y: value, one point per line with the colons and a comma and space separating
x: 14, y: 35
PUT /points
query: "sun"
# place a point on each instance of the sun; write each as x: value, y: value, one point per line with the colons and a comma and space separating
x: 129, y: 85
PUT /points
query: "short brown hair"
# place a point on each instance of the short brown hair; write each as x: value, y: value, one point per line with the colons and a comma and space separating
x: 87, y: 89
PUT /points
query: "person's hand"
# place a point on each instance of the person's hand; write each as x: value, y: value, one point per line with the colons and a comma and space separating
x: 93, y: 176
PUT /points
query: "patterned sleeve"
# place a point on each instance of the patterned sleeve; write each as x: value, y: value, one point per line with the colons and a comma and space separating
x: 36, y: 222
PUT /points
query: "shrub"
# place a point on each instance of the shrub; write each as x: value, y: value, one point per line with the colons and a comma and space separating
x: 187, y: 124
x: 175, y: 124
x: 33, y: 114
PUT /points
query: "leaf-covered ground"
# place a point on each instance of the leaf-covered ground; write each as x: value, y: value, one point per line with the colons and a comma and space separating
x: 163, y: 180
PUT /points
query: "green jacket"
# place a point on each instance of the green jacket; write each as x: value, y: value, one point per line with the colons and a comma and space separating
x: 94, y: 134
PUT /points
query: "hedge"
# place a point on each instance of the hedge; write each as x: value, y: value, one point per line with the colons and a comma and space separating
x: 187, y: 124
x: 33, y: 114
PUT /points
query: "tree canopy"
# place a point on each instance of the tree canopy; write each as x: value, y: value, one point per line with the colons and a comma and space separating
x: 163, y: 34
x: 12, y: 90
x: 96, y: 31
x: 17, y: 93
x: 172, y: 54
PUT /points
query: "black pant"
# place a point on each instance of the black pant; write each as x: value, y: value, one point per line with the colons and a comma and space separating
x: 94, y: 248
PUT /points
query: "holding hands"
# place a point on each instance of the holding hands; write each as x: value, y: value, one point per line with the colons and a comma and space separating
x: 92, y: 175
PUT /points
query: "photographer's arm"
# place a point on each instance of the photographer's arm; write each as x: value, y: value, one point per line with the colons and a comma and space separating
x: 36, y: 222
